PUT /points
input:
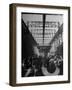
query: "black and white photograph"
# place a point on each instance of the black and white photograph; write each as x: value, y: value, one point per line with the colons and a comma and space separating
x: 42, y: 44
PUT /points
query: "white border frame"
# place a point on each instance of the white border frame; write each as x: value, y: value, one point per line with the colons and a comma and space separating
x: 63, y: 77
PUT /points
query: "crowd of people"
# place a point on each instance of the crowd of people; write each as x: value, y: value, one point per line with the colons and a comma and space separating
x: 42, y: 65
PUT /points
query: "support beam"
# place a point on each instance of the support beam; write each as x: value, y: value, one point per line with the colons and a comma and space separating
x: 44, y: 17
